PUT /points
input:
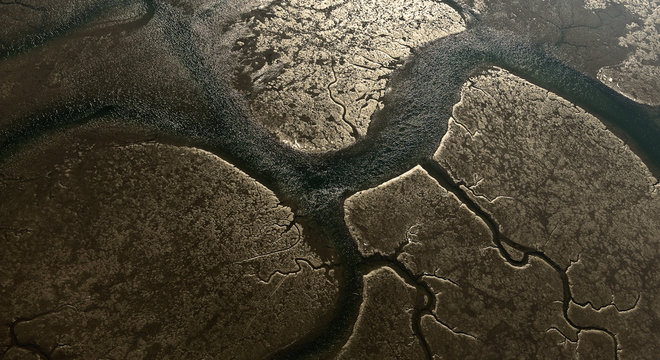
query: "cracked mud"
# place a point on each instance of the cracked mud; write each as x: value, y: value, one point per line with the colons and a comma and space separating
x: 294, y: 179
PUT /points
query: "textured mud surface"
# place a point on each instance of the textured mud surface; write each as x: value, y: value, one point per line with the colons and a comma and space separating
x: 123, y: 237
x: 315, y: 72
x: 615, y: 40
x: 537, y: 180
x: 478, y: 306
x: 329, y: 179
